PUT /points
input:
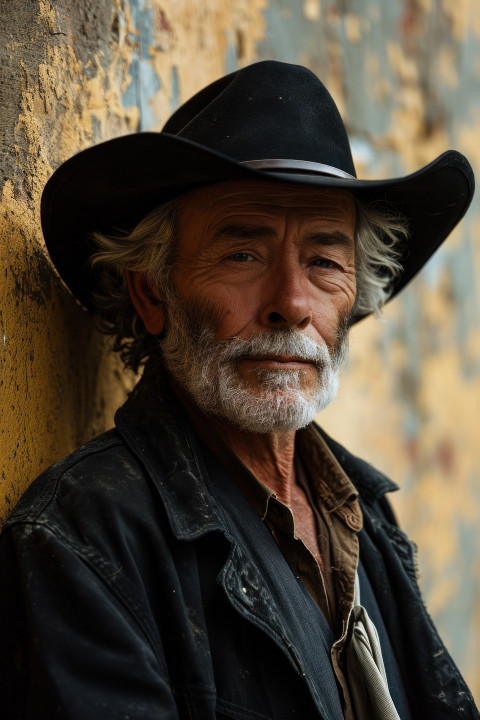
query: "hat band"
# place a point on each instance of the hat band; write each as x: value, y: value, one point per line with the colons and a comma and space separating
x: 300, y: 165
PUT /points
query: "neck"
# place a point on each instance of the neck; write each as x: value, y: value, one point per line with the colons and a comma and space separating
x: 269, y: 456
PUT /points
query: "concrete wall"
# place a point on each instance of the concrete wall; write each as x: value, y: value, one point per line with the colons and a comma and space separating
x: 406, y: 76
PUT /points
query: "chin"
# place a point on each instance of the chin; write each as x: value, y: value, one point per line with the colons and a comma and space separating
x: 273, y: 411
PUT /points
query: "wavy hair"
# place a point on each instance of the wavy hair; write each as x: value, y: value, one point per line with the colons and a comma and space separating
x: 151, y: 248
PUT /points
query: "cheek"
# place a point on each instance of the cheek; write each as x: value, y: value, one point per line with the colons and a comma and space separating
x: 222, y: 308
x: 331, y: 311
x: 342, y: 295
x: 235, y: 311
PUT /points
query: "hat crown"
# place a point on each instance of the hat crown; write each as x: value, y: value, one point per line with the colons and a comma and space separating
x: 266, y: 110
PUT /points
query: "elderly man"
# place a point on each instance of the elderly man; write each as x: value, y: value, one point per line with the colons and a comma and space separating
x: 216, y: 555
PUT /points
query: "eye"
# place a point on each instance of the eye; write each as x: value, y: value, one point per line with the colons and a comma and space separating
x: 324, y: 263
x: 241, y: 257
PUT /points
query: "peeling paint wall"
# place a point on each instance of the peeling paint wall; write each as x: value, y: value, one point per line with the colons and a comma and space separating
x: 406, y: 76
x: 57, y: 97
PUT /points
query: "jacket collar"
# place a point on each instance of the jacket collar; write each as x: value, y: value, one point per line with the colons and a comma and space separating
x: 155, y: 427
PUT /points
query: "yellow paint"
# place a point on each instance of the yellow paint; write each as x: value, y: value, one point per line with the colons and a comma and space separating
x: 464, y: 16
x: 475, y: 23
x: 355, y: 26
x: 406, y: 134
x: 405, y: 67
x: 46, y: 15
x: 51, y: 358
x: 447, y: 65
x: 382, y: 91
x: 468, y: 136
x: 426, y: 5
x: 311, y: 9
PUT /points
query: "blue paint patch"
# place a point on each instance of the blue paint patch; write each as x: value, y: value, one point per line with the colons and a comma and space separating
x: 231, y: 54
x: 288, y: 34
x: 174, y: 89
x: 145, y: 28
x: 149, y: 86
x: 144, y: 81
x: 90, y: 70
x: 129, y: 97
x: 362, y: 151
x: 461, y: 267
x: 433, y: 270
x: 96, y: 128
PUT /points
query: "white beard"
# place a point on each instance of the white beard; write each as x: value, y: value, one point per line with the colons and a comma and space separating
x: 281, y: 400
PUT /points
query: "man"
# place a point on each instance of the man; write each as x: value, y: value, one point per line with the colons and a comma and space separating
x: 216, y: 555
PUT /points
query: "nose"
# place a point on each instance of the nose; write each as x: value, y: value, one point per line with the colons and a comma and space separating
x: 287, y: 299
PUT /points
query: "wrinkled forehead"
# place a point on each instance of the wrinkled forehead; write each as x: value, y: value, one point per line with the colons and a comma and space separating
x: 207, y: 206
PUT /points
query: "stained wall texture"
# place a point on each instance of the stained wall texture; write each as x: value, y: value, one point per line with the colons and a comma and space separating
x: 406, y: 76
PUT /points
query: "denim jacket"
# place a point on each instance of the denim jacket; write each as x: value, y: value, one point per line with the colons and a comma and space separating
x: 125, y: 593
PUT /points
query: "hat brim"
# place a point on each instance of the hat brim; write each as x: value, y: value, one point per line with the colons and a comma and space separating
x: 113, y: 185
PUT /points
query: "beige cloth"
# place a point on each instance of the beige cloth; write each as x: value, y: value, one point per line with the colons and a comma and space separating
x: 365, y: 670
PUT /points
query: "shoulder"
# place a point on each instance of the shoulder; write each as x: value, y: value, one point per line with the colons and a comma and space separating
x: 39, y: 494
x: 86, y: 471
x: 88, y: 498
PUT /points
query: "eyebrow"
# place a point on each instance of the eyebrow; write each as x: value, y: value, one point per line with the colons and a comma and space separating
x: 336, y: 237
x: 244, y: 232
x: 252, y: 232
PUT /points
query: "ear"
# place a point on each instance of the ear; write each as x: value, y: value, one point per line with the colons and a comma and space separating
x: 147, y: 302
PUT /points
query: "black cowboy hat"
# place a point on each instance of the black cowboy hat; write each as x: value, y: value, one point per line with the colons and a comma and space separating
x: 269, y: 120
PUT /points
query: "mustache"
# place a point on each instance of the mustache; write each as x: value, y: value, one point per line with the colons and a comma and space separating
x: 290, y: 343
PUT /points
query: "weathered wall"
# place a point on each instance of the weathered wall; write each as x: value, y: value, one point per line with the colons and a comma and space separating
x: 406, y: 75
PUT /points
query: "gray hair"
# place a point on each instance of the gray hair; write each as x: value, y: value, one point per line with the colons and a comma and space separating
x: 151, y: 249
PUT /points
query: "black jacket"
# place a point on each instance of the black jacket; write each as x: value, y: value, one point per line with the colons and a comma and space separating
x: 126, y: 594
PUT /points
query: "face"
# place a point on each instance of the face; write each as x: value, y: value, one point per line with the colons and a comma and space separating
x: 268, y: 256
x: 264, y: 281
